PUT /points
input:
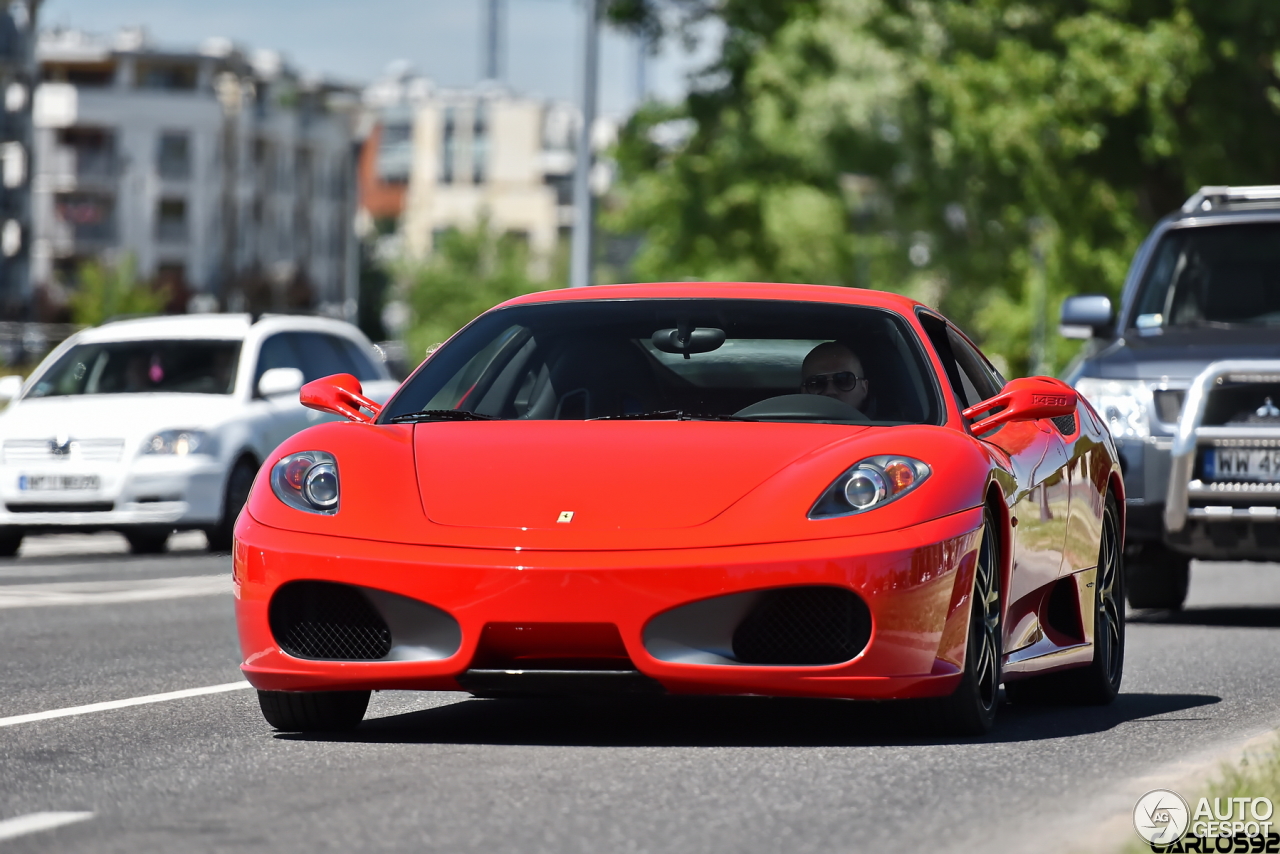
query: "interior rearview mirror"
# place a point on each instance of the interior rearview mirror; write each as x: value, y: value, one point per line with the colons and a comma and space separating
x: 1085, y: 316
x: 279, y: 381
x: 1025, y: 399
x: 340, y: 394
x: 688, y: 339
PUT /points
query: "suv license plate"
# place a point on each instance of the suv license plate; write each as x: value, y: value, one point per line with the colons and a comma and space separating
x: 57, y: 482
x: 1231, y: 464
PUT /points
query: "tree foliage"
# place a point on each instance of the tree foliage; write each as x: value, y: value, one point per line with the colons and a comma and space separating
x: 987, y: 156
x: 105, y: 291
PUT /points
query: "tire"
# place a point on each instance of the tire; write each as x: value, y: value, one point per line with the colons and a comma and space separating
x: 313, y: 711
x: 147, y: 541
x: 1098, y: 683
x: 10, y: 542
x: 1157, y: 577
x: 239, y: 482
x: 971, y: 709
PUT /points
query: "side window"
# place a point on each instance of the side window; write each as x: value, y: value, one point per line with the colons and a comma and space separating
x: 936, y: 328
x: 979, y: 379
x: 276, y: 352
x: 365, y: 371
x: 321, y: 355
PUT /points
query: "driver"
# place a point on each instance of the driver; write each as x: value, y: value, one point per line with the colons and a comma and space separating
x: 834, y: 370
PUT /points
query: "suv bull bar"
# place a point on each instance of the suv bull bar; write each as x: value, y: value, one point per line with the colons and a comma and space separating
x: 1192, y: 435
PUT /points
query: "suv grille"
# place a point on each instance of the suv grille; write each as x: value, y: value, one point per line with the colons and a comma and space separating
x: 320, y: 619
x: 803, y: 626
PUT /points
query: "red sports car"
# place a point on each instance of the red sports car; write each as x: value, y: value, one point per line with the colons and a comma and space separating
x: 783, y: 490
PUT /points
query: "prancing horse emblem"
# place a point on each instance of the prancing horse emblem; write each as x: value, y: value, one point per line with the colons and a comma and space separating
x: 60, y: 446
x: 565, y: 516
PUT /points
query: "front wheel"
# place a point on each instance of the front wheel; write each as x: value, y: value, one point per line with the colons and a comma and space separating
x: 313, y: 711
x: 971, y: 709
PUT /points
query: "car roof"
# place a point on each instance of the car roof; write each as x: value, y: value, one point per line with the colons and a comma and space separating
x: 727, y: 290
x: 204, y: 326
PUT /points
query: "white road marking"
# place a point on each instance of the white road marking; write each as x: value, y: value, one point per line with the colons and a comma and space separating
x: 38, y: 821
x: 112, y: 592
x: 122, y: 704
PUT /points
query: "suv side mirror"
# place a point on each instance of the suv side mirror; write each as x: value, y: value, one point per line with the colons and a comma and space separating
x: 340, y: 394
x: 1025, y: 399
x: 279, y: 381
x: 10, y: 387
x: 1085, y: 316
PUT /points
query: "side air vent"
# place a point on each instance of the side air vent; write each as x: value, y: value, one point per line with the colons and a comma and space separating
x: 1066, y: 424
x: 320, y: 619
x: 803, y: 626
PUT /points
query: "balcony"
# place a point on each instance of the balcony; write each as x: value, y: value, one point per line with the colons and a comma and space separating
x: 79, y: 167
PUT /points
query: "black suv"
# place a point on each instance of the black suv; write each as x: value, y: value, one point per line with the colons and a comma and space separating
x: 1187, y: 375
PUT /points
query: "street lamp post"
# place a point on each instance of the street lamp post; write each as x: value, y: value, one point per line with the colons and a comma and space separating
x: 582, y: 255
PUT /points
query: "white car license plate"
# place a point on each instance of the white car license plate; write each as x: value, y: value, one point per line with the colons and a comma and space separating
x: 1232, y: 464
x: 57, y: 482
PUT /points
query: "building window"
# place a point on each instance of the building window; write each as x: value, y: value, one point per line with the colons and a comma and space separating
x: 93, y: 149
x: 88, y: 219
x: 395, y: 150
x: 480, y: 144
x: 449, y: 146
x: 173, y: 160
x: 170, y: 76
x: 171, y: 221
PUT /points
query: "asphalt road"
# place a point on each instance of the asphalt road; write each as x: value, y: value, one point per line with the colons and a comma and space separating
x: 79, y: 625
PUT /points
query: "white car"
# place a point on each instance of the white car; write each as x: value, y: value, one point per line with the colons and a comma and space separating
x: 159, y: 424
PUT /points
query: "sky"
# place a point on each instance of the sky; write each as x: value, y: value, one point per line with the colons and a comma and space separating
x: 355, y: 41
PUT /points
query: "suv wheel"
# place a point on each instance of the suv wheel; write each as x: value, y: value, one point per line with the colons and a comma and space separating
x: 1157, y: 577
x: 147, y: 541
x: 220, y: 536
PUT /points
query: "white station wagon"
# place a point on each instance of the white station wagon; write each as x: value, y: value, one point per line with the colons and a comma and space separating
x: 159, y: 424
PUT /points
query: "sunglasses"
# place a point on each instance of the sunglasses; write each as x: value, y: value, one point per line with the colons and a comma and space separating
x: 844, y: 380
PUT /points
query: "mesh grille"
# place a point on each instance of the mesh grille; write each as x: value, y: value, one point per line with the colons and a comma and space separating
x: 319, y: 619
x: 803, y: 625
x: 1066, y: 424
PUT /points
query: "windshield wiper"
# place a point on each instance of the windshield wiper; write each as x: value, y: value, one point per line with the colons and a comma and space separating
x: 439, y: 415
x: 669, y: 415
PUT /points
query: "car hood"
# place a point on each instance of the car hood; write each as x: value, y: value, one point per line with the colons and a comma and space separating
x: 132, y: 417
x: 1180, y: 354
x: 602, y: 475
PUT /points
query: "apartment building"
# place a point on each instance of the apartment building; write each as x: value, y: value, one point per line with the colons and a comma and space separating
x: 227, y: 176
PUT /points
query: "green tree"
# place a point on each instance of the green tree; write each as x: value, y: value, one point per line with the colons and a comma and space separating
x: 468, y: 272
x: 112, y: 290
x: 987, y: 156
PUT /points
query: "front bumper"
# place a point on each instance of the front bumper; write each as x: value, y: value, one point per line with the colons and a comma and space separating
x: 915, y: 583
x: 146, y: 491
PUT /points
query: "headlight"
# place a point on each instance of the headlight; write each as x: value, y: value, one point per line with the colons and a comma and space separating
x: 872, y: 483
x: 307, y: 481
x: 1123, y: 404
x: 178, y: 443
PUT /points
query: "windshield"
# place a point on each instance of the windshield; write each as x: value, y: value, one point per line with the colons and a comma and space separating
x: 744, y: 359
x: 1222, y: 275
x: 131, y: 367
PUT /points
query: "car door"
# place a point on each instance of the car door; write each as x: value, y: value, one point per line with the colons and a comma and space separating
x: 281, y: 416
x: 1035, y: 453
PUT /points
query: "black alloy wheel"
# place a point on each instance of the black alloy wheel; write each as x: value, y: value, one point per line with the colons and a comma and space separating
x: 313, y: 711
x: 148, y: 541
x: 1098, y: 683
x: 239, y: 482
x: 971, y: 709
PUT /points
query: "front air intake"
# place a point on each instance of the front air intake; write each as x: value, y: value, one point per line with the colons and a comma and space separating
x: 803, y: 626
x: 320, y: 619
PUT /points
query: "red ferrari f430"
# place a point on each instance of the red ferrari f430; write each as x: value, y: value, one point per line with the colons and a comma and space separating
x: 780, y: 490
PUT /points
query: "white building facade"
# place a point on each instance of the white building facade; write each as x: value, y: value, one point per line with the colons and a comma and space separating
x: 227, y: 178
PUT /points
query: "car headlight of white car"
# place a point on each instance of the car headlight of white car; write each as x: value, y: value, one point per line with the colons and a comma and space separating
x: 179, y: 443
x: 1123, y: 404
x: 871, y: 483
x: 307, y: 481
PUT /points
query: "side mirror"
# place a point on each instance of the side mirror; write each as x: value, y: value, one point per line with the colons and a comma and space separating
x: 1025, y: 399
x: 1085, y: 316
x: 278, y: 381
x: 10, y: 387
x: 340, y: 394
